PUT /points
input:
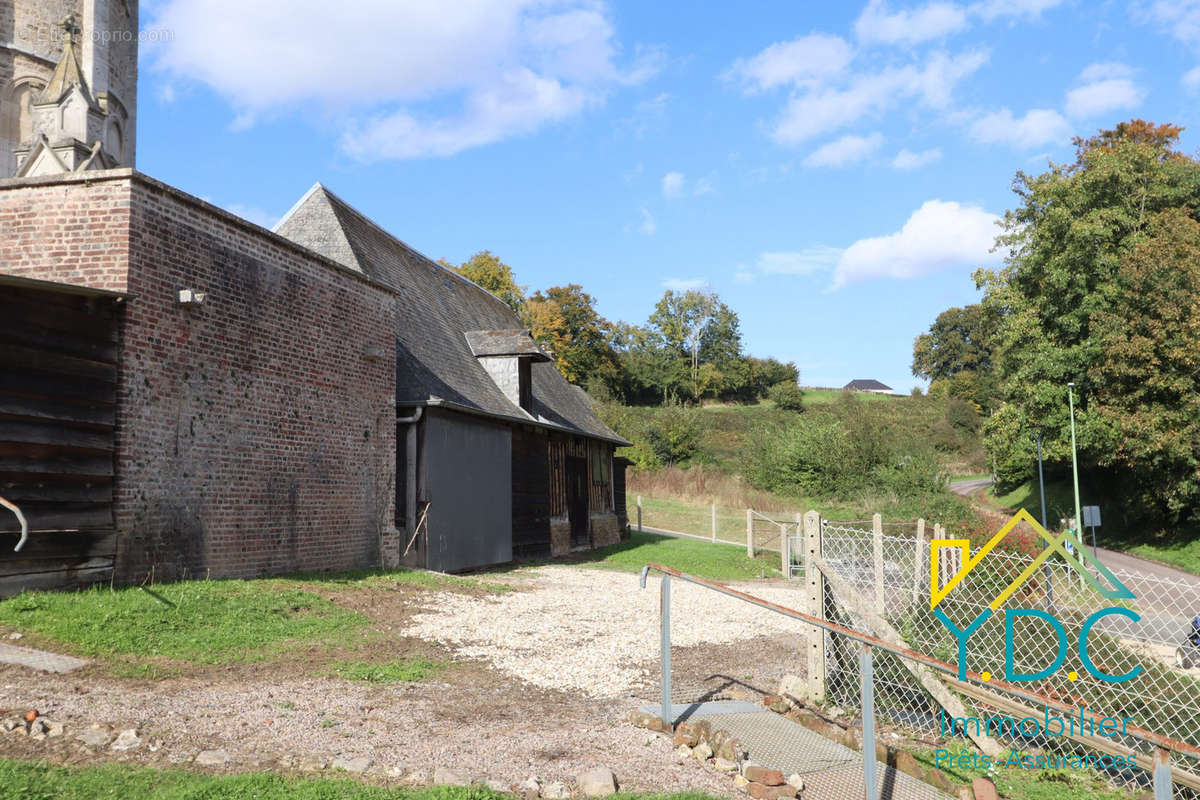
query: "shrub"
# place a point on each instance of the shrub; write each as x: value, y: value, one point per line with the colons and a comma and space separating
x: 674, y: 434
x: 787, y: 396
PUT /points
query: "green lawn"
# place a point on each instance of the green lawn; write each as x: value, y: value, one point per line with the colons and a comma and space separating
x: 718, y: 562
x: 830, y: 395
x: 1032, y: 784
x: 403, y: 671
x: 205, y: 622
x: 38, y: 782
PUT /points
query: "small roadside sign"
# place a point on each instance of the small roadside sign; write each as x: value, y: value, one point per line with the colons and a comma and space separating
x: 1091, y: 516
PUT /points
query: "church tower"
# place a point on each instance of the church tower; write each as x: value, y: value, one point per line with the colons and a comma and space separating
x: 68, y: 85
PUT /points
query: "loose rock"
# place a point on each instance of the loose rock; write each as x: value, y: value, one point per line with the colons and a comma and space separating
x: 212, y: 758
x: 796, y: 782
x: 95, y: 736
x: 555, y: 791
x: 359, y: 764
x: 702, y: 752
x: 763, y: 775
x: 447, y: 777
x: 725, y: 765
x: 598, y: 782
x: 312, y: 764
x: 761, y: 791
x: 984, y: 789
x: 531, y: 788
x: 127, y: 740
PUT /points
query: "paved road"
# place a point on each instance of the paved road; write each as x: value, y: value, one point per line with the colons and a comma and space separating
x: 969, y: 486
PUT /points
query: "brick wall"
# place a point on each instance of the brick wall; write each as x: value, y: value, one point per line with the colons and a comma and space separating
x: 253, y: 437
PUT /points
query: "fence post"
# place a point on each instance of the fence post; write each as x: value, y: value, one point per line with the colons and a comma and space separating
x: 867, y: 675
x: 877, y: 531
x: 919, y: 561
x: 749, y: 533
x: 815, y: 597
x: 784, y: 551
x: 1162, y: 774
x: 714, y: 522
x: 639, y: 513
x: 665, y: 645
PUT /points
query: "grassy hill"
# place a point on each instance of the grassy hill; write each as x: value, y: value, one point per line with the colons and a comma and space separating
x: 847, y: 455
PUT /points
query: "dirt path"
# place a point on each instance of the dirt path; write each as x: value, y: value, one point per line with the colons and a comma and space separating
x: 479, y: 718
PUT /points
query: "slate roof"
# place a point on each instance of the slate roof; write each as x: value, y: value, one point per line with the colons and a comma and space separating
x: 505, y: 343
x: 867, y: 385
x: 437, y: 309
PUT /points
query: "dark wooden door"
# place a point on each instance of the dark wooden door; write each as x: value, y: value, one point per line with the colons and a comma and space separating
x: 577, y: 500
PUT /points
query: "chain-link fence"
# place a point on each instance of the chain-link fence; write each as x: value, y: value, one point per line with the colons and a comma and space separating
x: 885, y: 570
x: 758, y: 531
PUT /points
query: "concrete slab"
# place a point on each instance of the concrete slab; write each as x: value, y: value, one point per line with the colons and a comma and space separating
x: 38, y: 659
x: 681, y: 712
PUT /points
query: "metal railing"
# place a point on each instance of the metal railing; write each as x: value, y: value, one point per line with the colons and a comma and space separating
x: 1163, y: 745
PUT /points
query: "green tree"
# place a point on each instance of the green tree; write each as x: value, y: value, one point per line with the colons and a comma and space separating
x: 489, y: 272
x: 1064, y: 303
x: 702, y: 328
x: 564, y: 318
x: 956, y: 355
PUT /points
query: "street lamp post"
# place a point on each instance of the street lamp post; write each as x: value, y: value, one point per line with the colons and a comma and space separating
x: 1075, y: 471
x: 1042, y: 488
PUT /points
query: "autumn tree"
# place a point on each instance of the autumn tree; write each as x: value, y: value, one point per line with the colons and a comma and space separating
x: 489, y: 272
x: 1080, y: 269
x: 565, y: 320
x: 702, y: 329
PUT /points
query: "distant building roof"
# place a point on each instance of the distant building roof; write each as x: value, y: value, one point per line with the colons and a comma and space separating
x: 867, y: 385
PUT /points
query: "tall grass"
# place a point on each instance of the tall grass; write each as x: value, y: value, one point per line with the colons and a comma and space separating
x: 704, y: 485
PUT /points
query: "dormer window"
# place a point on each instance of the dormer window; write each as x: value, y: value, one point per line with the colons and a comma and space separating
x: 508, y: 358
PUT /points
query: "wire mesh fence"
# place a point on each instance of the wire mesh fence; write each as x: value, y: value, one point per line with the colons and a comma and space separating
x: 889, y: 572
x: 759, y: 531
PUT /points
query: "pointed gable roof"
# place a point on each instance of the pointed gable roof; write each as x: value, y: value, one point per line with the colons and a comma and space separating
x: 67, y: 77
x: 438, y: 308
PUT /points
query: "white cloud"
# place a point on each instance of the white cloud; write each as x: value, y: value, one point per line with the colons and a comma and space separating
x: 818, y: 258
x: 907, y: 159
x: 828, y: 108
x: 743, y: 274
x: 1038, y: 126
x: 672, y: 184
x: 256, y: 214
x: 798, y: 62
x: 1191, y: 79
x: 706, y: 185
x: 844, y: 151
x: 1106, y: 87
x: 648, y: 225
x: 683, y: 284
x: 517, y: 65
x: 1178, y: 18
x: 989, y: 10
x: 937, y: 236
x: 934, y: 20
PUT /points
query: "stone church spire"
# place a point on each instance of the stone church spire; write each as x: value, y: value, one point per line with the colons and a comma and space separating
x: 69, y: 106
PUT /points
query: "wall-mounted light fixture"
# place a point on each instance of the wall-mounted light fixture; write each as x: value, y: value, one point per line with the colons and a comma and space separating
x: 191, y: 298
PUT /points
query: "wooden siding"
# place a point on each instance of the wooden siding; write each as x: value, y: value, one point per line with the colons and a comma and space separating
x: 58, y: 378
x: 531, y: 493
x: 599, y: 492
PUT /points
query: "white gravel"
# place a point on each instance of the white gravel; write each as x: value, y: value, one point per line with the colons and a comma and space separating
x: 593, y: 630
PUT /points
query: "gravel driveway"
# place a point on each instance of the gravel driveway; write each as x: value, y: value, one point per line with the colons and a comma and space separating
x: 542, y: 682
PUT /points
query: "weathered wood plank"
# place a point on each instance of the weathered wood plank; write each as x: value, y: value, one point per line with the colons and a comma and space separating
x: 75, y: 320
x: 59, y: 517
x: 43, y: 460
x: 55, y: 434
x: 38, y: 408
x: 65, y: 579
x: 39, y: 384
x: 41, y: 337
x: 22, y: 490
x: 63, y: 546
x: 17, y: 357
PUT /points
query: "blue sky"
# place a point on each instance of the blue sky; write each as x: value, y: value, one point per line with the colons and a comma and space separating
x: 832, y: 170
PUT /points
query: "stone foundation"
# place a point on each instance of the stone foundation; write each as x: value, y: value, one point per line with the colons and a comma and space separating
x: 560, y: 536
x: 606, y: 529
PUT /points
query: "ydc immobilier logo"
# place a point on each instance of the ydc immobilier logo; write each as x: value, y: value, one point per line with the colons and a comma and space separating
x: 1027, y: 616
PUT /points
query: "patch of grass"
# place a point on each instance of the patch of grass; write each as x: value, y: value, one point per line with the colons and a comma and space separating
x: 403, y: 671
x: 832, y: 395
x: 417, y: 578
x: 1060, y: 500
x: 1182, y: 554
x: 205, y: 622
x: 113, y: 782
x: 718, y: 562
x: 1031, y: 784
